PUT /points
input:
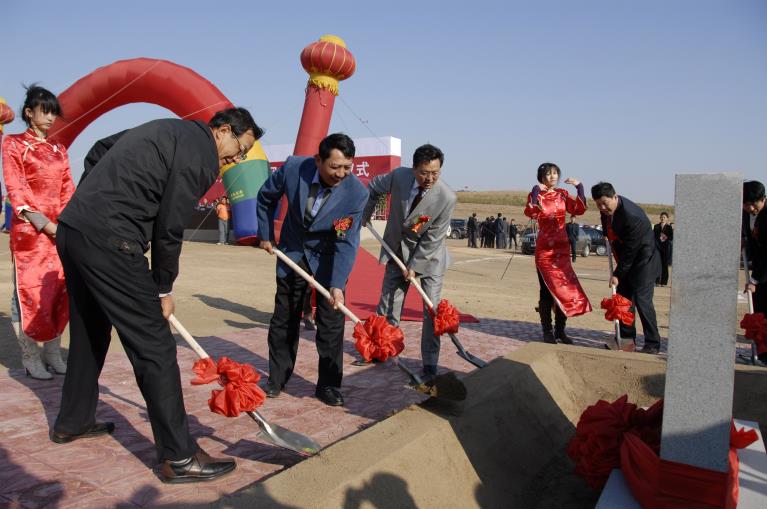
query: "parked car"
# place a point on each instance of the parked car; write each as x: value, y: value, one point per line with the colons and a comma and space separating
x: 582, y: 245
x: 457, y: 229
x: 598, y: 241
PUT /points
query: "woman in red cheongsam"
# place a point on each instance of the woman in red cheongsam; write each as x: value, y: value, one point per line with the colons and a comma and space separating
x: 39, y: 183
x: 550, y: 205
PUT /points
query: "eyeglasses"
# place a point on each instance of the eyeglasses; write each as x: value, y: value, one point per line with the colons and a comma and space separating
x: 243, y: 153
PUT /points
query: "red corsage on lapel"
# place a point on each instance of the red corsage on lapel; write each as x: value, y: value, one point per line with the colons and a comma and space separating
x: 422, y: 220
x: 342, y: 225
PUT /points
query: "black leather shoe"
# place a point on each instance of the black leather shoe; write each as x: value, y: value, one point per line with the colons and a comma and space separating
x: 198, y: 468
x: 98, y: 429
x: 330, y: 396
x: 560, y: 335
x: 548, y: 337
x: 649, y: 349
x: 272, y: 390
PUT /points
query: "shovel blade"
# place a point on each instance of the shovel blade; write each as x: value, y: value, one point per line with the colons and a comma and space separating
x: 285, y: 438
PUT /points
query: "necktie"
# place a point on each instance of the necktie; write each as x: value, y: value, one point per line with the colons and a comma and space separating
x: 416, y: 200
x: 313, y: 190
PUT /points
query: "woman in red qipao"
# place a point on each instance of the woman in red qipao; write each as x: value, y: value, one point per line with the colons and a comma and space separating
x: 39, y: 184
x: 550, y: 205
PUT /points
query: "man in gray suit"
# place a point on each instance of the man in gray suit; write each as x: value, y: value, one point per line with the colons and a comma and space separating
x: 420, y: 212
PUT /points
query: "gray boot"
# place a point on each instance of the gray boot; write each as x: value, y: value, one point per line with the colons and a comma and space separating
x: 30, y: 355
x: 52, y: 356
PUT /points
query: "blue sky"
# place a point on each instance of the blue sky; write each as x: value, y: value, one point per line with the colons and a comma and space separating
x: 625, y: 91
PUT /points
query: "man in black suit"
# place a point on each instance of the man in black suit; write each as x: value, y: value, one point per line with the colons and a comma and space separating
x: 664, y: 236
x: 140, y: 186
x: 572, y: 235
x: 471, y: 230
x: 756, y: 237
x: 513, y: 231
x: 638, y: 261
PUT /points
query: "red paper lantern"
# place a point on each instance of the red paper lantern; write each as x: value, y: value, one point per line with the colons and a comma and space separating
x: 6, y: 114
x: 328, y: 61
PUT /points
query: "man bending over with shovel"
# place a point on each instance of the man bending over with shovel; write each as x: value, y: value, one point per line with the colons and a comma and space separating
x: 421, y: 208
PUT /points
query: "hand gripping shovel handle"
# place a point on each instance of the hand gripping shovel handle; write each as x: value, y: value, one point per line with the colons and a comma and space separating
x: 461, y: 350
x: 275, y: 434
x: 346, y: 311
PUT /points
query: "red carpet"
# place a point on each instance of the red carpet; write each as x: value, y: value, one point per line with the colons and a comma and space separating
x: 364, y: 290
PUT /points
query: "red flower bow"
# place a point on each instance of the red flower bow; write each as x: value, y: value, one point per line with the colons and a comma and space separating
x: 618, y: 307
x: 447, y: 319
x: 342, y: 225
x: 241, y: 392
x: 378, y: 339
x: 755, y: 326
x: 422, y: 220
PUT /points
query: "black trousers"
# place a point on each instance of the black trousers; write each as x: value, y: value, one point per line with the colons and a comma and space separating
x: 572, y: 248
x: 641, y: 297
x: 546, y: 303
x: 664, y: 259
x: 283, y: 332
x: 109, y: 284
x: 760, y: 298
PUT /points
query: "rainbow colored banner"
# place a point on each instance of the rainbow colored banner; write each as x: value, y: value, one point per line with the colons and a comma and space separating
x: 242, y: 182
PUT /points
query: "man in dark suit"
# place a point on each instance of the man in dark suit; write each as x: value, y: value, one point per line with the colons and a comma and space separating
x: 638, y: 261
x: 513, y: 232
x: 471, y: 230
x: 664, y: 236
x: 572, y: 235
x: 321, y: 233
x: 140, y: 186
x: 756, y: 238
x: 500, y: 232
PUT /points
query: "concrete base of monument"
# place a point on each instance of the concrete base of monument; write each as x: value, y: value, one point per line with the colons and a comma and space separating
x: 503, y: 447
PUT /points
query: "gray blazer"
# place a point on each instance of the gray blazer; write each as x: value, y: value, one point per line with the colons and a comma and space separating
x: 423, y: 251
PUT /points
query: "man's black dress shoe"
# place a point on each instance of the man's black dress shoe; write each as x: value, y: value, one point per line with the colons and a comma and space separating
x: 272, y: 390
x: 329, y: 395
x: 98, y: 429
x: 650, y: 349
x: 560, y: 335
x: 200, y: 467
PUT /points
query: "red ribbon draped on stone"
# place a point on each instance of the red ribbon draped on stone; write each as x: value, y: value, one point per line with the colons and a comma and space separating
x: 755, y: 326
x: 240, y: 392
x: 618, y: 307
x: 378, y: 339
x: 620, y: 435
x: 446, y: 319
x: 595, y: 448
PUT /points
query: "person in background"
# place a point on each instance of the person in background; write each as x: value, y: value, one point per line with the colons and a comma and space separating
x: 572, y: 235
x: 224, y: 213
x: 39, y: 182
x: 471, y: 230
x: 513, y: 232
x: 664, y: 237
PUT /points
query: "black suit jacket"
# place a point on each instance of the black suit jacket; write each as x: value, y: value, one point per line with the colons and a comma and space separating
x: 757, y: 241
x: 633, y: 243
x: 141, y: 185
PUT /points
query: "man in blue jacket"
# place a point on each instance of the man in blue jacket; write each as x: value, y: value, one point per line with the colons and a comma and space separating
x: 321, y: 233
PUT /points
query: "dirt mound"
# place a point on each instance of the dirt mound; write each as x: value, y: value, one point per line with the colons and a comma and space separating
x: 502, y: 447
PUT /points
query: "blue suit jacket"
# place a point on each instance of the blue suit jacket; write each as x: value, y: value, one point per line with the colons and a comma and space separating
x: 330, y: 256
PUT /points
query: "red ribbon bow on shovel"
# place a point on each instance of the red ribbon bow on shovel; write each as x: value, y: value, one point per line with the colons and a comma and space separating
x: 240, y: 393
x: 618, y: 307
x: 446, y: 319
x: 378, y: 339
x: 755, y: 325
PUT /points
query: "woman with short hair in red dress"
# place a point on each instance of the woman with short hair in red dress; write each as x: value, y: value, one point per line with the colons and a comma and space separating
x: 549, y: 206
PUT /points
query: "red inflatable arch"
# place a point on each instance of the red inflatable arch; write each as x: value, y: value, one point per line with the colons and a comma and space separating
x: 147, y: 80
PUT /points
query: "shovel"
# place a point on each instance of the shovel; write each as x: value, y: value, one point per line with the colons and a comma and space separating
x: 277, y: 435
x: 445, y: 386
x: 628, y: 347
x: 462, y: 352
